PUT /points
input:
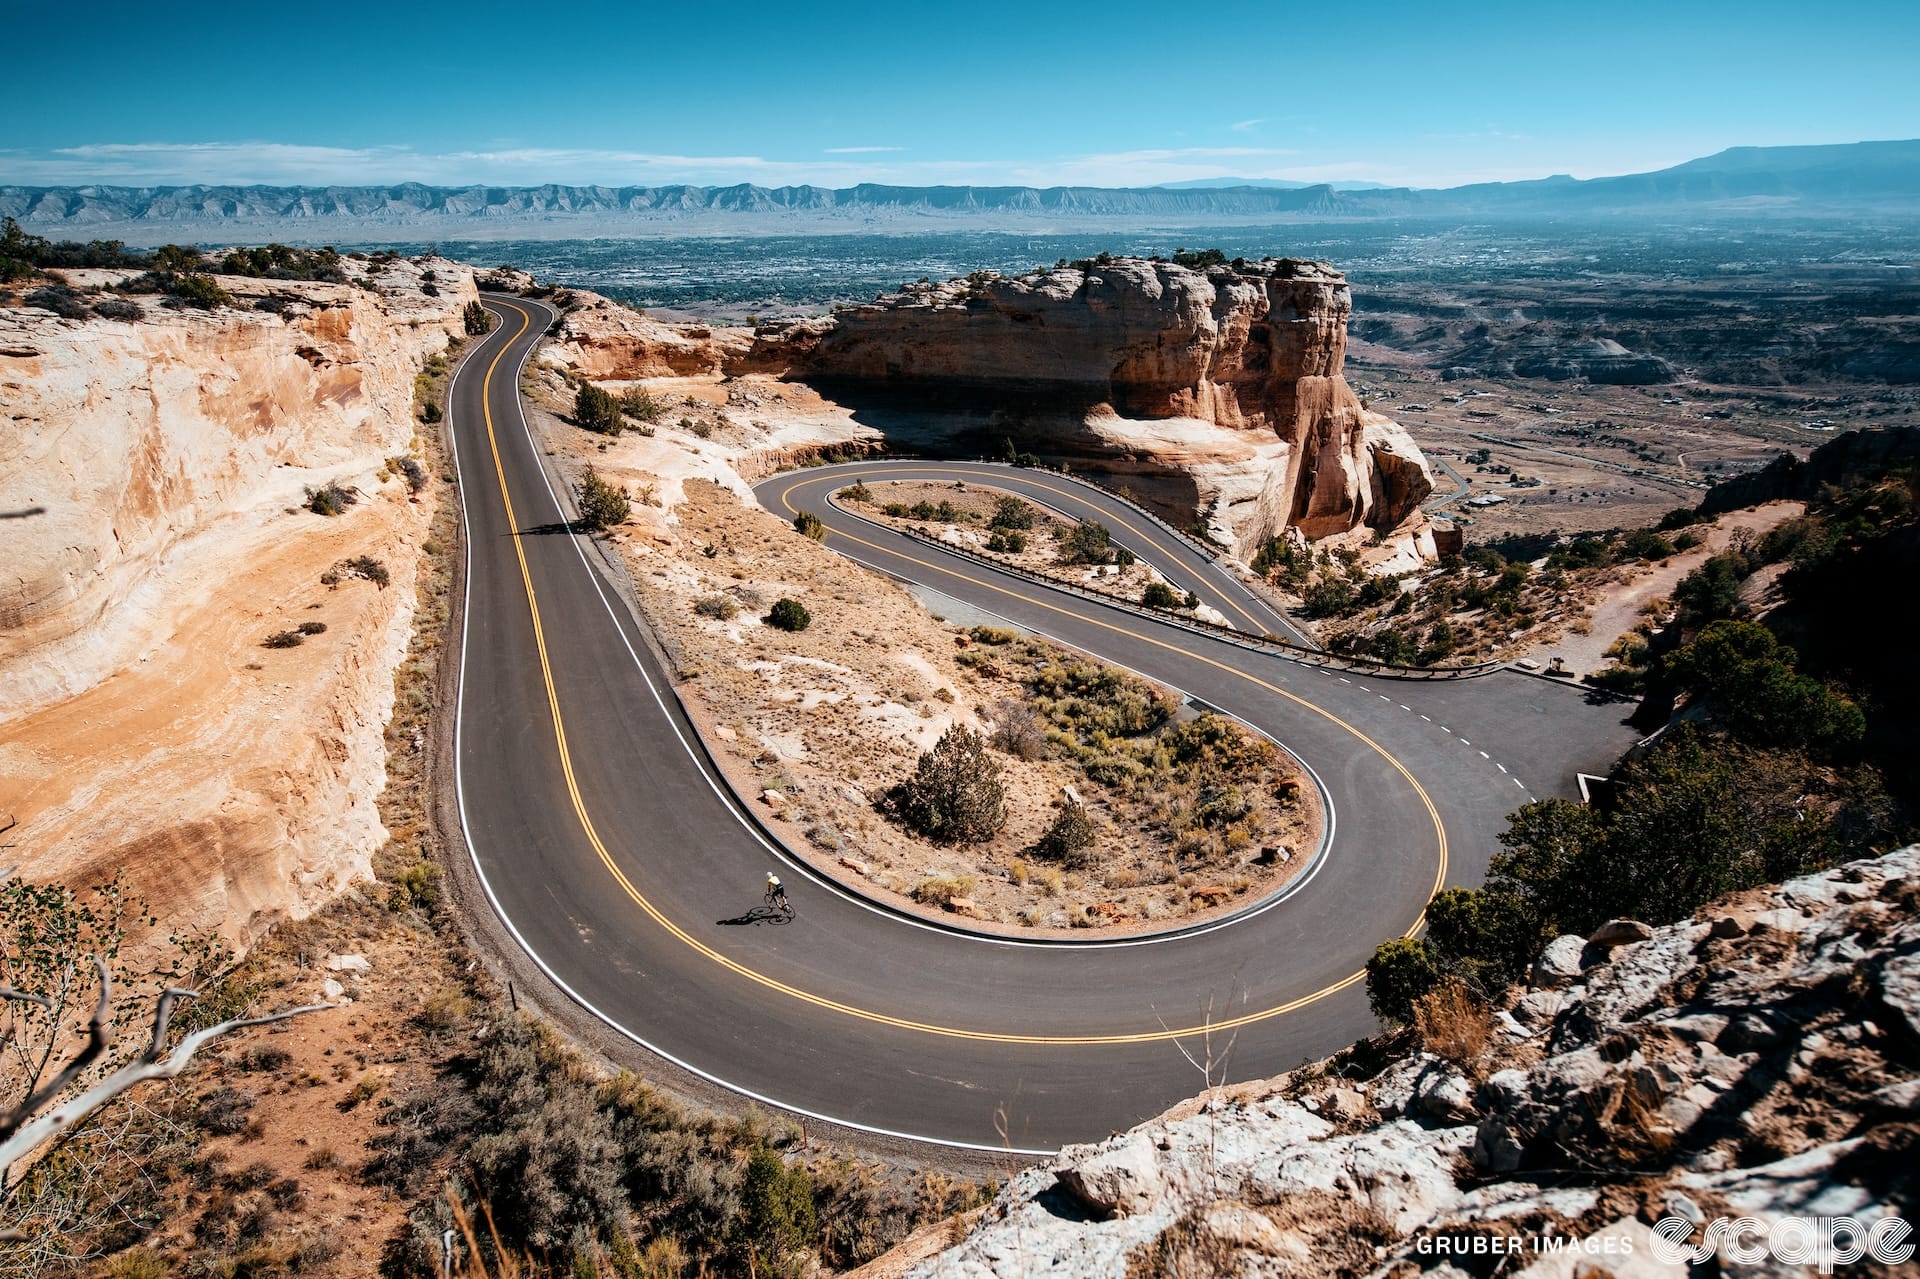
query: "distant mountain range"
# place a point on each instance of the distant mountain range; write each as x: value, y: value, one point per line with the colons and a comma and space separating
x: 1796, y: 180
x: 1275, y: 184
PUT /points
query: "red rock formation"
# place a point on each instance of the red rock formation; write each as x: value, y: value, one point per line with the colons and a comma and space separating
x: 1229, y: 376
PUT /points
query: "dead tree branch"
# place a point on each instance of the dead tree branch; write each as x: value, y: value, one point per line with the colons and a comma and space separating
x: 24, y: 1130
x: 99, y: 1035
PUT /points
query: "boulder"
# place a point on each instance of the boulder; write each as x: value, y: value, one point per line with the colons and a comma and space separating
x: 1558, y: 964
x: 1120, y: 1181
x: 1619, y: 932
x: 1445, y: 1094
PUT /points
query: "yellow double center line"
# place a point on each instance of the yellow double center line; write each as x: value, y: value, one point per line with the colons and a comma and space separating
x: 761, y: 979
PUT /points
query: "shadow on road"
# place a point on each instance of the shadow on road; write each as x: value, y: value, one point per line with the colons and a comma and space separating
x: 547, y: 530
x: 758, y: 915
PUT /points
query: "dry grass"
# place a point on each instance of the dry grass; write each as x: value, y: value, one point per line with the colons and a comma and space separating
x: 1454, y: 1025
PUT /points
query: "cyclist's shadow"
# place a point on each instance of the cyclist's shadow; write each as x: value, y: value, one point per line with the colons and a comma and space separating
x: 759, y: 915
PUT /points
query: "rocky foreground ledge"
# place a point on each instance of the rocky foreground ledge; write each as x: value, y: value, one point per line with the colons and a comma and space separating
x: 1760, y: 1060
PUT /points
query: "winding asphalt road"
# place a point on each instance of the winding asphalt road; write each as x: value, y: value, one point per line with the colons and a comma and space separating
x: 616, y: 857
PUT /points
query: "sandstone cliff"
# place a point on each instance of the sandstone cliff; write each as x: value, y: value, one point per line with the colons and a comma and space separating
x: 144, y: 726
x: 1221, y: 389
x: 1762, y: 1059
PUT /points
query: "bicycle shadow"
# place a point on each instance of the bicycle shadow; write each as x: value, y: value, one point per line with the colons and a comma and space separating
x: 758, y: 915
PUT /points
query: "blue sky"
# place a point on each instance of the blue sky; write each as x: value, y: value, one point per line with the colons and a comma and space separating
x: 909, y: 92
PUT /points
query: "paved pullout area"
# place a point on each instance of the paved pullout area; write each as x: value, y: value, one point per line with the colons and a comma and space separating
x: 618, y: 859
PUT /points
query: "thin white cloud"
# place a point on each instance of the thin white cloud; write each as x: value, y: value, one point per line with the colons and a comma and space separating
x: 506, y: 164
x: 1248, y: 126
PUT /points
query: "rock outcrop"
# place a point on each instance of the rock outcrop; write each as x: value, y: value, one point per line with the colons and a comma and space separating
x: 1760, y: 1060
x: 607, y: 342
x: 159, y: 468
x: 1218, y: 389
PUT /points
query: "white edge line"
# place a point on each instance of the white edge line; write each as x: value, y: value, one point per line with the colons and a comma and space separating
x: 473, y: 854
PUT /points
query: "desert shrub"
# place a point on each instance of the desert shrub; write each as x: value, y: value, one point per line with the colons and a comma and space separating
x: 1329, y: 597
x: 941, y: 512
x: 281, y: 262
x: 60, y: 300
x: 940, y: 890
x: 855, y: 493
x: 366, y: 568
x: 223, y: 1111
x: 410, y: 467
x: 118, y: 309
x: 602, y: 504
x: 776, y: 1207
x: 955, y: 793
x: 596, y: 410
x: 1159, y: 595
x: 284, y: 639
x: 810, y: 525
x: 134, y: 1263
x: 638, y: 404
x: 476, y: 319
x: 1084, y: 698
x: 1018, y: 729
x: 788, y: 615
x: 719, y: 607
x: 329, y: 499
x: 1199, y: 259
x: 21, y: 253
x: 430, y: 412
x: 196, y: 290
x: 1401, y: 971
x: 992, y: 635
x: 1011, y: 514
x: 1007, y: 542
x: 1070, y: 837
x: 312, y: 628
x: 1088, y: 542
x: 1712, y: 591
x: 1394, y: 646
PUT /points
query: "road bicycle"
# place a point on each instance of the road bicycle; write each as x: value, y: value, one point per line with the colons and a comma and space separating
x: 778, y: 903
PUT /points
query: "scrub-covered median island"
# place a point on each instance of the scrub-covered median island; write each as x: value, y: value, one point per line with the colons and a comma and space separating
x: 991, y: 778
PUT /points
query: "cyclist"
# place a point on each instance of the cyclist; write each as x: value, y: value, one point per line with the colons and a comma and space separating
x: 777, y: 894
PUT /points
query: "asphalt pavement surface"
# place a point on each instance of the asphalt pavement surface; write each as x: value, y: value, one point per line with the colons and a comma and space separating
x: 619, y: 860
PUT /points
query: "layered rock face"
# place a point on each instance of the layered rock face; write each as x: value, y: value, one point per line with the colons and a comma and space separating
x: 158, y: 470
x: 1760, y: 1060
x: 1223, y: 385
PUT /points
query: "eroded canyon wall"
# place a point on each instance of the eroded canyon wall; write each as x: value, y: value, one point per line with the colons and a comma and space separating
x: 143, y: 727
x: 1228, y: 378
